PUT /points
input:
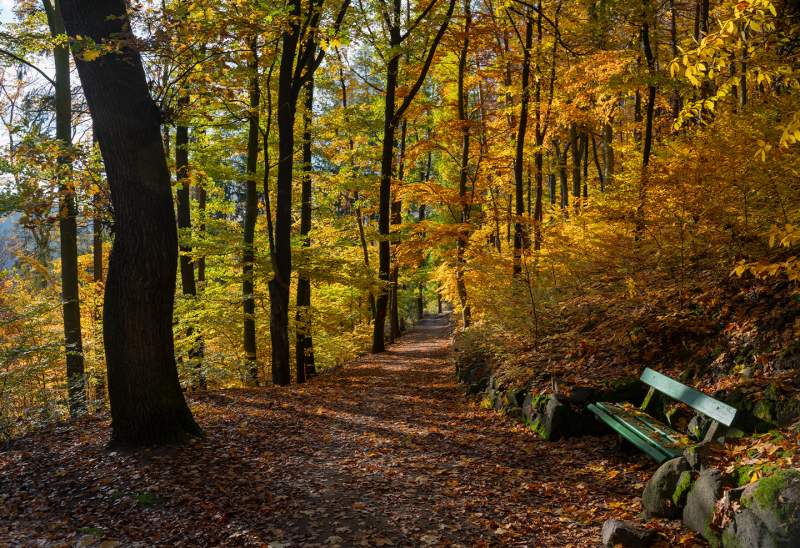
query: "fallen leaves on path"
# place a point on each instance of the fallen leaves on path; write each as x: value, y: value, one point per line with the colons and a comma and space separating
x: 383, y: 452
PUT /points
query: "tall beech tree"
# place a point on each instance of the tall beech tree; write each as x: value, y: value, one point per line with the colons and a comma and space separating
x: 300, y: 57
x: 392, y: 114
x: 520, y: 233
x: 67, y: 223
x: 250, y: 213
x: 147, y: 405
x: 463, y: 172
x: 304, y: 345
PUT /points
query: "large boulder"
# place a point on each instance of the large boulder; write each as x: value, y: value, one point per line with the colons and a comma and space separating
x: 770, y: 515
x: 475, y: 375
x: 701, y: 502
x: 626, y: 534
x: 552, y: 423
x: 665, y: 493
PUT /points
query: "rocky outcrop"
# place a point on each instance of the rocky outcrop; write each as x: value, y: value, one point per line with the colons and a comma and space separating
x: 665, y: 494
x: 626, y: 534
x: 769, y: 515
x: 701, y: 502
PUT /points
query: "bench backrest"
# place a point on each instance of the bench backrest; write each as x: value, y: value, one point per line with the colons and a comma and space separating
x: 720, y: 412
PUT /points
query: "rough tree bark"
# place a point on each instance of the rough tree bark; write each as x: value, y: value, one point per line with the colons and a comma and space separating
x: 304, y: 345
x: 250, y: 213
x: 295, y: 69
x: 147, y: 405
x: 67, y: 223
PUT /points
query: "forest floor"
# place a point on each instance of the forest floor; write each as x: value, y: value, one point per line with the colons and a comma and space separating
x: 385, y: 451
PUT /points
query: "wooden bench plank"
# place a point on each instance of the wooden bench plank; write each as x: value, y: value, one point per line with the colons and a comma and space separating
x: 647, y: 446
x: 720, y: 412
x: 649, y: 428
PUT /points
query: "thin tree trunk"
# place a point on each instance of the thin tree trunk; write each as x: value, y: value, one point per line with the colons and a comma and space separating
x: 585, y: 154
x: 97, y: 277
x: 67, y: 223
x: 201, y: 195
x: 463, y: 233
x: 184, y: 206
x: 648, y: 131
x: 561, y: 156
x: 396, y: 220
x: 357, y: 210
x: 597, y: 166
x: 185, y: 224
x: 250, y: 213
x: 147, y: 405
x: 520, y: 236
x: 576, y: 165
x: 304, y: 346
x: 675, y: 100
x: 608, y: 154
x: 390, y: 118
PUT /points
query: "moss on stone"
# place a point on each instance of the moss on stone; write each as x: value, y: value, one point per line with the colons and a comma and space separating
x: 730, y: 540
x: 538, y: 427
x: 767, y: 490
x: 710, y: 534
x: 682, y: 488
x: 765, y: 410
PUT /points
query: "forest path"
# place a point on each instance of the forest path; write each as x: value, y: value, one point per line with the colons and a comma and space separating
x: 383, y: 452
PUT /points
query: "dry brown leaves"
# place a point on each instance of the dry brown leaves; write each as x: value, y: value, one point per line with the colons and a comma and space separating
x: 384, y: 452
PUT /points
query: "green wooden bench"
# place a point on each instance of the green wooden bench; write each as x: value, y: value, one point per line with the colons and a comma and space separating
x: 659, y: 441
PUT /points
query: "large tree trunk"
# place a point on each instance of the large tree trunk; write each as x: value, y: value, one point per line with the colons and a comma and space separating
x: 279, y: 285
x: 250, y: 213
x: 68, y: 227
x: 397, y: 220
x: 147, y: 405
x: 304, y: 346
x: 387, y: 150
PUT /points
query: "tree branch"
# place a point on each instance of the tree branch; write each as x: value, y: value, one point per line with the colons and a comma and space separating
x: 424, y: 71
x: 29, y: 64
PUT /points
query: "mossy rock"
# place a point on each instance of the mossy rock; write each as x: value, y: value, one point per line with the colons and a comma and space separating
x: 770, y: 515
x: 658, y: 498
x: 787, y: 411
x: 700, y: 504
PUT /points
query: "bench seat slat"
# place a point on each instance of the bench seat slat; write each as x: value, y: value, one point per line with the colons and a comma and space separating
x: 717, y: 410
x: 659, y: 441
x: 653, y: 451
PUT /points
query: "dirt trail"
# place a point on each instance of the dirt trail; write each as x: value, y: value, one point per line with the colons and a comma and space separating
x: 383, y: 452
